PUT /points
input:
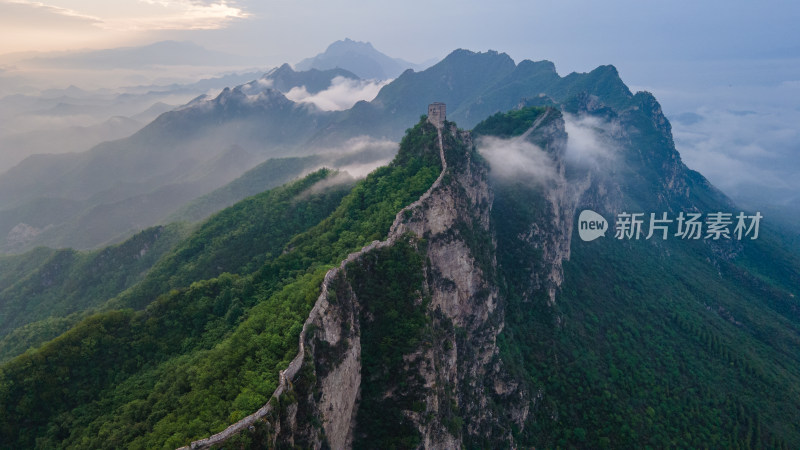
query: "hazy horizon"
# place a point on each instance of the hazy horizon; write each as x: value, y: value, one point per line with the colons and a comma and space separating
x: 726, y: 74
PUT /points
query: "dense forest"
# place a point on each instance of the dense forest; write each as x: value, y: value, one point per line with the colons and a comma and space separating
x: 647, y: 344
x: 651, y: 343
x: 198, y: 343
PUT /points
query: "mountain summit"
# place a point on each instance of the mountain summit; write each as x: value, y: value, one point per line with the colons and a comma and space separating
x: 360, y: 58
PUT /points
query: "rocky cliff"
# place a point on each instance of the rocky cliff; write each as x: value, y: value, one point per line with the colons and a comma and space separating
x: 402, y: 342
x: 414, y: 340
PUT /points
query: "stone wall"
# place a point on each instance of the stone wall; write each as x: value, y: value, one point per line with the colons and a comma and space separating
x: 319, y: 318
x: 437, y: 114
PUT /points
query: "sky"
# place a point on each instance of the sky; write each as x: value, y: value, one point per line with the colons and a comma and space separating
x: 729, y: 69
x: 643, y: 38
x: 576, y: 33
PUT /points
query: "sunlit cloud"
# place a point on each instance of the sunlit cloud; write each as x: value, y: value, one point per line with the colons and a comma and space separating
x: 27, y: 25
x: 178, y: 15
x: 52, y: 9
x: 67, y: 24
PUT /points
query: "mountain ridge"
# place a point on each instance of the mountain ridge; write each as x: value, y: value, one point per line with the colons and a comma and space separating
x: 359, y: 57
x: 330, y: 381
x: 483, y: 321
x: 170, y: 150
x: 485, y: 300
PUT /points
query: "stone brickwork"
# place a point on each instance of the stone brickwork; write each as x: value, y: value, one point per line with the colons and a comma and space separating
x: 437, y: 114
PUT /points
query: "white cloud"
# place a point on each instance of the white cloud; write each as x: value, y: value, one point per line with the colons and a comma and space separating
x: 265, y: 82
x: 361, y: 170
x: 743, y: 154
x: 589, y: 140
x: 342, y: 94
x: 40, y: 12
x: 517, y: 158
x: 336, y: 179
x: 178, y: 15
x: 590, y: 143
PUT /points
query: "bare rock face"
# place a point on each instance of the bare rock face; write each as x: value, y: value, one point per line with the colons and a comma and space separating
x: 402, y: 343
x: 550, y: 236
x: 462, y: 371
x: 452, y: 377
x: 553, y: 237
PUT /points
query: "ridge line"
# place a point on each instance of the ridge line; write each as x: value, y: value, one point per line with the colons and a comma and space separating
x: 286, y: 376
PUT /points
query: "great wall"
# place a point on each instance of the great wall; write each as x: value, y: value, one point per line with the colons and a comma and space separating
x: 437, y: 117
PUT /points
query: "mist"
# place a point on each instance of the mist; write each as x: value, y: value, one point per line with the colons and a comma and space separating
x: 72, y: 119
x: 342, y: 94
x: 590, y: 141
x: 518, y: 159
x: 337, y: 179
x: 590, y: 144
x: 748, y: 154
x: 358, y: 156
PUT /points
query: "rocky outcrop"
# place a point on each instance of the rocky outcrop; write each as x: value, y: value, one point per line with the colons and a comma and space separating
x: 464, y: 380
x: 330, y: 325
x: 462, y: 393
x: 451, y: 374
x: 466, y: 393
x: 550, y: 236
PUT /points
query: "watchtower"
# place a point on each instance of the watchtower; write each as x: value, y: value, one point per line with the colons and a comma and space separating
x: 437, y: 114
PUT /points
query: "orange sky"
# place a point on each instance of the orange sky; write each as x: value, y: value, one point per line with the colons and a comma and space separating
x: 51, y: 25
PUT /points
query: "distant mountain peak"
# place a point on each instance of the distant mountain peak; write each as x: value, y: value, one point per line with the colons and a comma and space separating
x: 358, y: 57
x: 285, y: 78
x: 543, y: 66
x: 463, y: 53
x: 349, y: 44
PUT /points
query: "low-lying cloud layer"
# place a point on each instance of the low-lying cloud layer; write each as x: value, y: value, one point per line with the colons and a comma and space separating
x: 519, y: 159
x: 342, y: 94
x: 589, y: 140
x: 750, y: 155
x: 337, y: 179
x: 589, y: 144
x: 360, y: 155
x: 735, y: 122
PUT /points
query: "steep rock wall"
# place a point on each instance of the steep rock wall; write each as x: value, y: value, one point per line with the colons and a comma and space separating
x: 454, y: 375
x: 451, y: 388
